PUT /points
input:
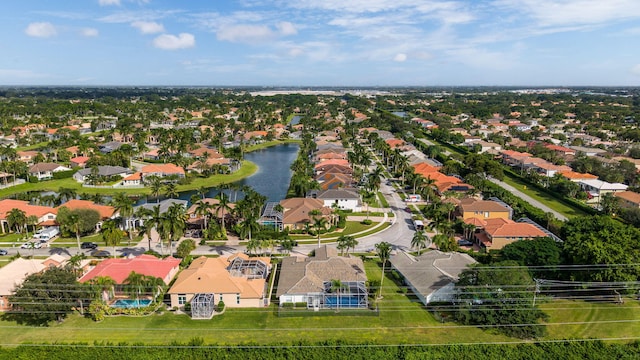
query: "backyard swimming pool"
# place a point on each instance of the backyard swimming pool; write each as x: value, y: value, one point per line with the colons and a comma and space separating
x: 130, y: 303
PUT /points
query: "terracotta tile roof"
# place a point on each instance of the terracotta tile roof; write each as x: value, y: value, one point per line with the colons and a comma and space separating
x: 105, y: 211
x: 80, y: 159
x: 7, y: 205
x: 510, y: 228
x: 162, y: 168
x: 119, y: 269
x: 328, y: 162
x: 134, y: 176
x: 471, y: 204
x: 394, y: 142
x: 629, y: 196
x: 572, y: 175
x: 210, y: 275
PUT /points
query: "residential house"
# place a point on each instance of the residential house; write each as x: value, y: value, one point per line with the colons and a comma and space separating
x: 119, y: 268
x: 597, y: 188
x: 45, y: 215
x: 296, y: 212
x: 334, y: 181
x: 484, y: 209
x: 494, y: 234
x: 27, y: 156
x: 13, y: 275
x: 311, y: 280
x: 576, y: 176
x: 104, y: 171
x: 628, y: 199
x: 79, y: 161
x: 105, y: 211
x: 161, y: 170
x: 237, y: 280
x: 432, y: 275
x: 344, y: 199
x: 134, y: 179
x: 44, y: 171
x: 214, y: 211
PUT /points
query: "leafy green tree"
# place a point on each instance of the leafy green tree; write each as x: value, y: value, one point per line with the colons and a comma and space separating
x: 499, y: 295
x: 601, y: 240
x: 185, y: 248
x: 46, y: 297
x: 16, y: 219
x: 536, y: 252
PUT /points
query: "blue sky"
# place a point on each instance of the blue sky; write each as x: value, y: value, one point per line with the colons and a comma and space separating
x: 320, y: 42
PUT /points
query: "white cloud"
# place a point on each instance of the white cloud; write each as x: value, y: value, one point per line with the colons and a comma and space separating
x: 636, y: 70
x: 252, y: 34
x: 286, y: 28
x: 41, y: 29
x: 108, y: 2
x: 89, y: 32
x: 568, y: 12
x: 173, y: 42
x: 148, y: 27
x: 400, y: 57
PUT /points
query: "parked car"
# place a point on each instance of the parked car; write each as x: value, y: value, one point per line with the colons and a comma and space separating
x: 27, y: 245
x: 88, y: 245
x: 3, y: 252
x: 465, y: 243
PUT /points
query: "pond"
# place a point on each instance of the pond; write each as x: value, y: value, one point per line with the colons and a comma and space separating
x: 273, y: 175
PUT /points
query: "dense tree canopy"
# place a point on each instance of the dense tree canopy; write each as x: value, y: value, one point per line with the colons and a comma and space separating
x: 540, y: 252
x: 46, y: 297
x: 602, y: 240
x: 499, y: 295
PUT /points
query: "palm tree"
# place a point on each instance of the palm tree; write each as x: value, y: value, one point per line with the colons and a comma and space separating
x: 444, y: 242
x: 224, y: 207
x: 17, y: 219
x: 319, y: 223
x: 105, y: 285
x: 383, y: 249
x: 203, y: 209
x: 342, y: 243
x: 74, y: 263
x: 171, y: 190
x: 155, y: 186
x: 124, y: 205
x: 176, y: 217
x: 66, y: 194
x: 74, y: 224
x: 249, y: 225
x: 419, y: 241
x: 136, y: 283
x: 111, y: 234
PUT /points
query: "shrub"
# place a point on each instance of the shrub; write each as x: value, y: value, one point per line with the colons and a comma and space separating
x: 63, y: 174
x: 187, y: 307
x: 366, y: 222
x: 221, y: 306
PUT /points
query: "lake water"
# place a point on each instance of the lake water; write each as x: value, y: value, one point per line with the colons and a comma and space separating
x: 273, y: 175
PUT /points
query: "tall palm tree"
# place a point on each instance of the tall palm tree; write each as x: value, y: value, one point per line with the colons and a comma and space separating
x: 155, y: 186
x: 124, y: 205
x: 223, y: 207
x: 17, y: 219
x: 111, y: 234
x: 383, y: 250
x: 419, y: 241
x: 319, y: 223
x: 249, y: 225
x: 176, y: 217
x: 74, y: 224
x: 105, y: 285
x: 203, y: 209
x: 136, y: 284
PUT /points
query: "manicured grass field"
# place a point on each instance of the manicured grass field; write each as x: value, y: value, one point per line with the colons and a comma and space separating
x: 550, y: 201
x: 247, y: 169
x: 402, y: 320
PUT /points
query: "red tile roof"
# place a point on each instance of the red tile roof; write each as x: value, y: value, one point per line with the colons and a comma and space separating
x: 119, y: 269
x: 105, y: 211
x: 7, y: 205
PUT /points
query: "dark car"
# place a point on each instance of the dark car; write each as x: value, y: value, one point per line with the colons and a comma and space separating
x: 465, y: 243
x: 101, y: 254
x: 88, y: 245
x: 3, y: 252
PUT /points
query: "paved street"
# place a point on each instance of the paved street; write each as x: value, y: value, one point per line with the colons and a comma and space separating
x: 527, y: 198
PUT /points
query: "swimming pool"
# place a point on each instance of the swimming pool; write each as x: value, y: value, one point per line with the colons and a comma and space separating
x: 342, y: 301
x: 130, y: 303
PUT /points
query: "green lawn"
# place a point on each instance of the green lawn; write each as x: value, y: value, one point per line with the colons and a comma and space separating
x: 247, y: 169
x: 543, y: 197
x: 402, y: 320
x: 351, y: 228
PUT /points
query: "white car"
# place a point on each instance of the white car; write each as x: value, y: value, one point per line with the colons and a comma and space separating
x: 27, y: 245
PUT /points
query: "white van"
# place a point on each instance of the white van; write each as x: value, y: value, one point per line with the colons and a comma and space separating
x: 47, y: 234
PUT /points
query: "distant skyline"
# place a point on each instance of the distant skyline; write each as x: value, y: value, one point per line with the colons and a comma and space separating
x: 320, y: 42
